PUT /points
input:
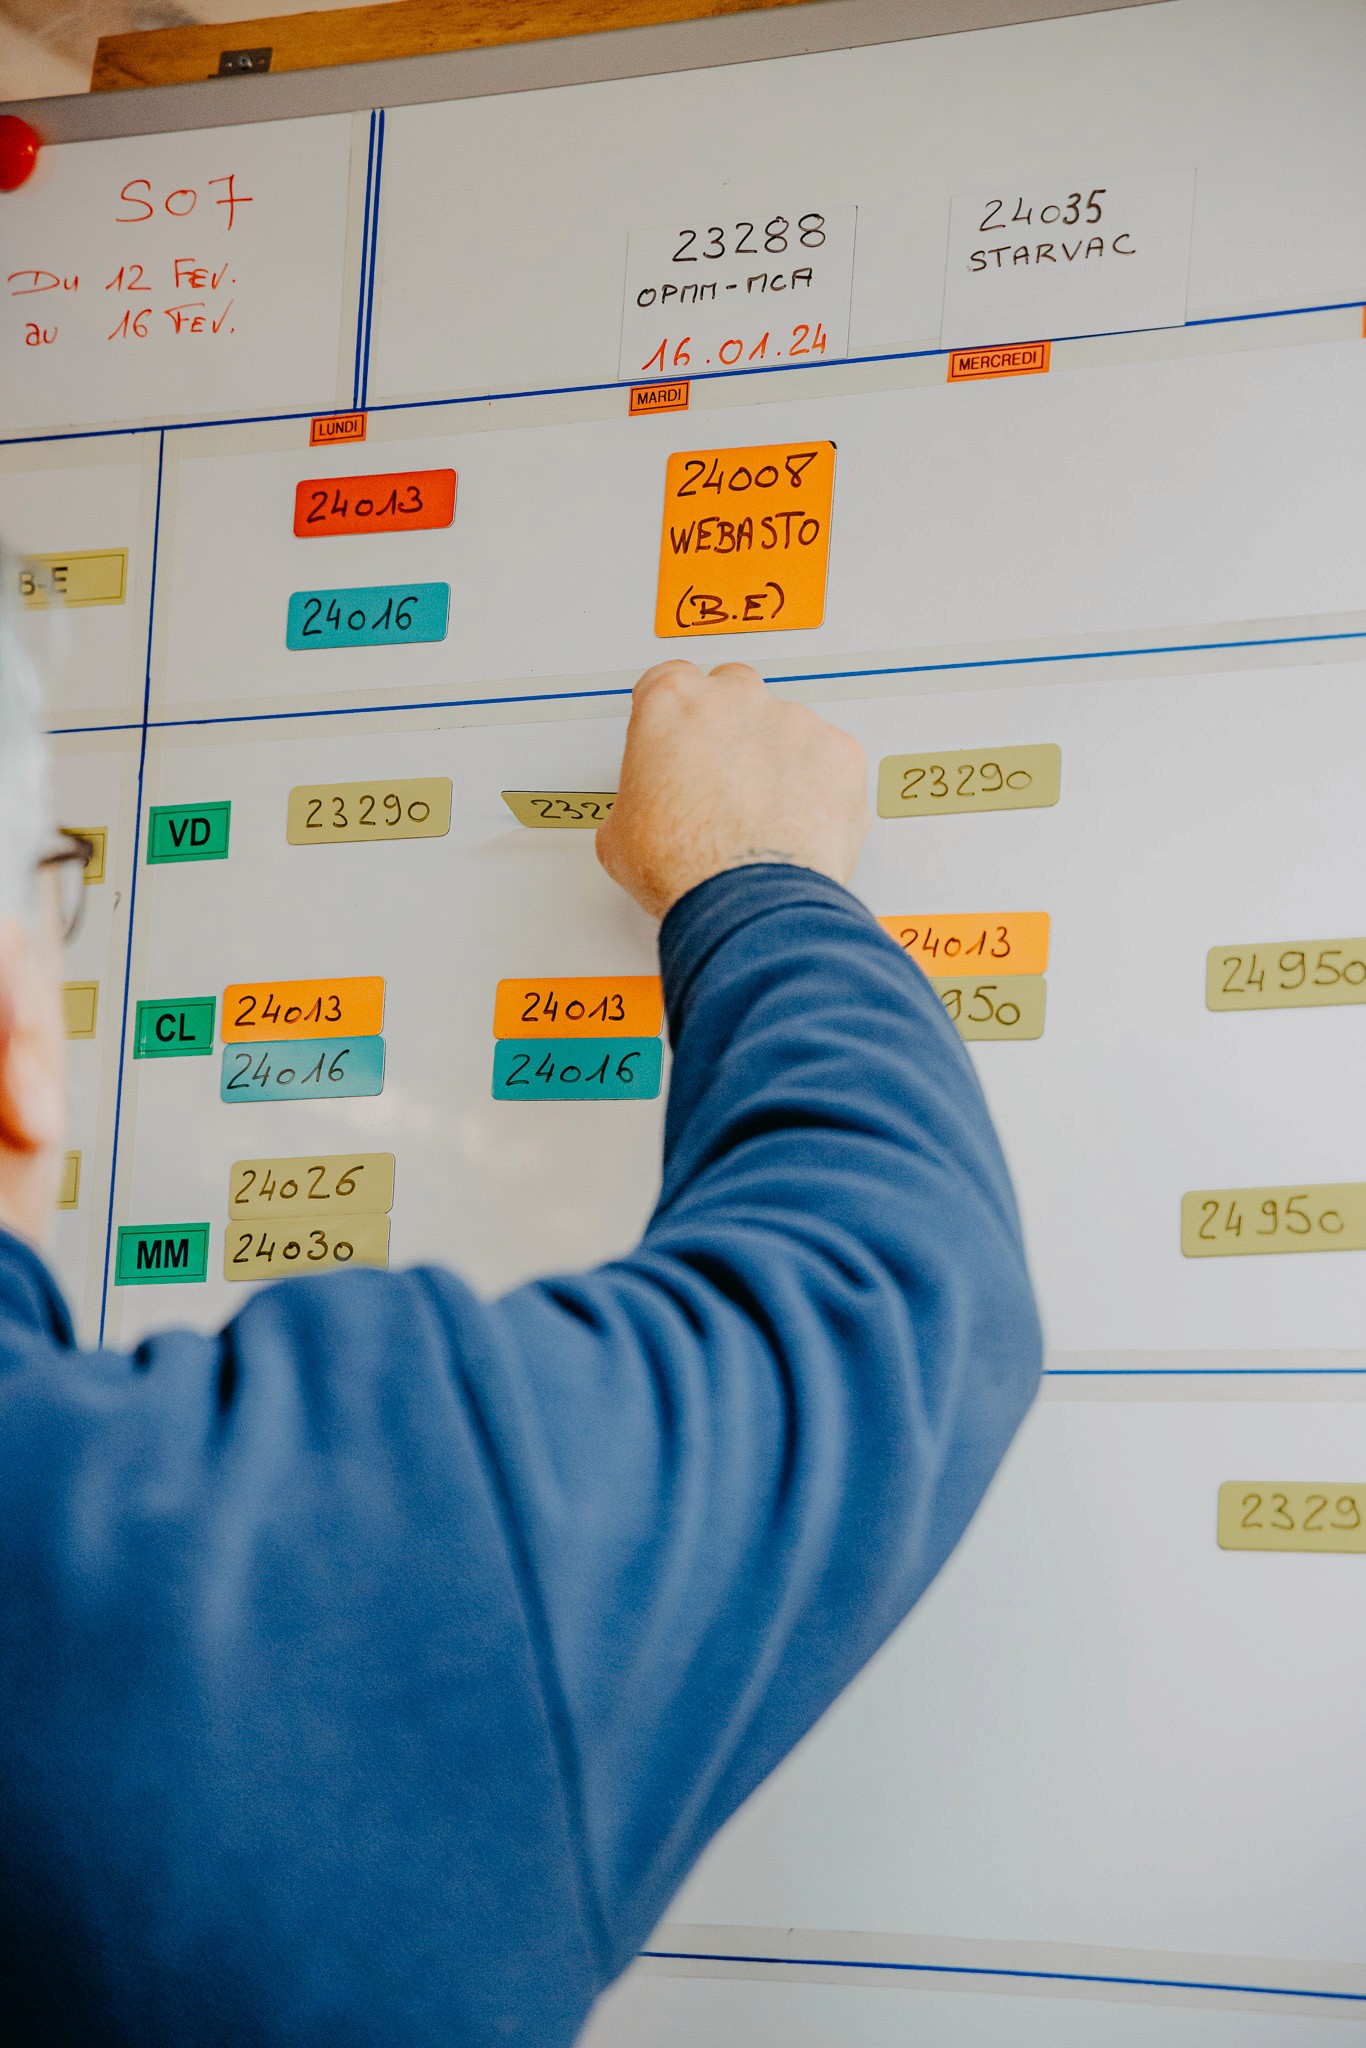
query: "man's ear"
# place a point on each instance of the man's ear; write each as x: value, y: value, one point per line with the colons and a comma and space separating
x: 32, y: 1050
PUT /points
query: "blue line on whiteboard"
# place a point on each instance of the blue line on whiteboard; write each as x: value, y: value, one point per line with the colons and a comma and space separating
x: 676, y: 1955
x: 302, y: 1070
x: 829, y: 675
x: 359, y: 710
x: 371, y: 615
x: 1202, y: 1372
x: 368, y: 273
x: 56, y: 730
x: 1272, y: 313
x: 133, y: 888
x: 373, y: 257
x: 364, y: 255
x: 624, y: 690
x: 908, y: 355
x: 346, y: 710
x: 903, y: 355
x: 927, y: 668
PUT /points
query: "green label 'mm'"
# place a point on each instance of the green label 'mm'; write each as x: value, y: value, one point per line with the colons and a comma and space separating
x: 187, y: 832
x: 161, y: 1254
x: 175, y: 1030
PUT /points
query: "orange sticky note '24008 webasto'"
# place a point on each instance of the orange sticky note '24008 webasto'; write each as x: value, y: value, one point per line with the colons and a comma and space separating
x: 746, y: 541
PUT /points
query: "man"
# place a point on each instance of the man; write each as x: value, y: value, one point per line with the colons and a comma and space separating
x: 373, y: 1672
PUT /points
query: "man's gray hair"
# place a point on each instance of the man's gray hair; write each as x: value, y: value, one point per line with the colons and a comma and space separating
x: 24, y: 810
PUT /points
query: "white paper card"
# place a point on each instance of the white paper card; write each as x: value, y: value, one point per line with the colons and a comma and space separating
x: 1045, y: 258
x: 172, y: 276
x: 739, y: 292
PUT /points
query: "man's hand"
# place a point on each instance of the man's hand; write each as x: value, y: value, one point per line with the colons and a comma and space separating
x: 719, y: 774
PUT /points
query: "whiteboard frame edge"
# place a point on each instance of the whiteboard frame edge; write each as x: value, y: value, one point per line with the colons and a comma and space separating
x: 805, y: 30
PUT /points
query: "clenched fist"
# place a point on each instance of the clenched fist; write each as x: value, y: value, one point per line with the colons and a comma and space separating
x: 719, y: 774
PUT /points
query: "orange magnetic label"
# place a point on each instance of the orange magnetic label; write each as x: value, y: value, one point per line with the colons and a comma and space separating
x: 337, y: 426
x: 351, y: 1008
x: 659, y: 398
x: 396, y: 503
x: 746, y: 539
x: 580, y: 1006
x: 1024, y: 359
x: 995, y: 941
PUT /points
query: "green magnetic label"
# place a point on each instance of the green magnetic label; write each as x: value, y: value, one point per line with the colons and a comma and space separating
x: 180, y: 1028
x: 161, y: 1254
x: 187, y: 832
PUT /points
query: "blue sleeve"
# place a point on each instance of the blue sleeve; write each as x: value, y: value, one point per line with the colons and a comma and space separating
x: 374, y: 1669
x: 734, y: 1460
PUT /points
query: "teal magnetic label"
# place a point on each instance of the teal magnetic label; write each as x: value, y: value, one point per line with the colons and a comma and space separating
x: 178, y: 1029
x: 302, y: 1069
x: 577, y: 1069
x: 161, y: 1254
x: 187, y: 832
x: 375, y: 615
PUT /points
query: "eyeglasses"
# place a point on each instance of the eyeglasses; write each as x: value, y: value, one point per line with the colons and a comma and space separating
x: 70, y: 861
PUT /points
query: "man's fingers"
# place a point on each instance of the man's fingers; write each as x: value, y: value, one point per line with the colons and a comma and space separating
x: 716, y: 766
x: 676, y: 671
x: 684, y: 679
x: 736, y: 672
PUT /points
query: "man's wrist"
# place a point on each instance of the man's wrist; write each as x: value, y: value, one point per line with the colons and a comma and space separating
x: 712, y: 910
x: 749, y: 857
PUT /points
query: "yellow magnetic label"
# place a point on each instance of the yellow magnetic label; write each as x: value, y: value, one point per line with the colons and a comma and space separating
x: 560, y: 810
x: 345, y: 1007
x: 98, y: 835
x: 1289, y: 974
x: 1011, y: 1006
x: 580, y: 1006
x: 989, y: 942
x: 268, y: 1250
x: 1230, y: 1223
x: 69, y: 1187
x: 1293, y: 1514
x: 329, y: 813
x: 88, y: 576
x: 980, y: 779
x: 339, y: 1182
x: 80, y: 1007
x: 746, y: 539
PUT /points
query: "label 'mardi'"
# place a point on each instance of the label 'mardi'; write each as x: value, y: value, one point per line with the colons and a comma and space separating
x: 659, y: 398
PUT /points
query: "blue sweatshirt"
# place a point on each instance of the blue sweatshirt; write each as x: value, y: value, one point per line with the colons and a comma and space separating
x: 373, y: 1672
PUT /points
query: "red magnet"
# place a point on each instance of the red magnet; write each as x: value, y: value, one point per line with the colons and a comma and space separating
x: 19, y: 146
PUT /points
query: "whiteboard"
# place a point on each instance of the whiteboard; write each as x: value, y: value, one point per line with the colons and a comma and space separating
x: 190, y: 273
x: 1105, y: 1762
x: 1233, y: 90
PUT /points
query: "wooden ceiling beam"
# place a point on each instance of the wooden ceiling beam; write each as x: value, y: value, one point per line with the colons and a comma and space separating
x: 361, y: 35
